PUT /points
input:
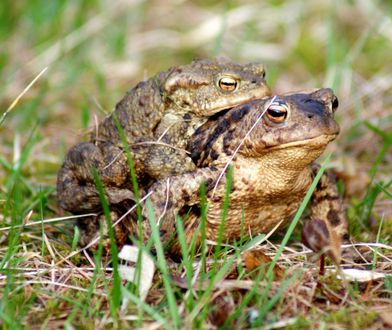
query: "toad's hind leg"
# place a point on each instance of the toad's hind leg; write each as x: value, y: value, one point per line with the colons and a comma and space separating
x: 76, y: 189
x: 123, y: 226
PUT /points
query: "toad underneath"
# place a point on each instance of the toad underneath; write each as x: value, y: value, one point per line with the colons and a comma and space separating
x: 272, y: 157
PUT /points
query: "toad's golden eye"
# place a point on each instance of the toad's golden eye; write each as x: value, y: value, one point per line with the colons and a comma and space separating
x: 228, y: 84
x: 277, y: 112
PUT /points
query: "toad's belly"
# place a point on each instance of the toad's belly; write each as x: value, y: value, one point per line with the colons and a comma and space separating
x: 259, y: 200
x: 249, y: 218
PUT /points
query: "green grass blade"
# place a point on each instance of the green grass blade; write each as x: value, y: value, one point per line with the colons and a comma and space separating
x: 161, y: 263
x: 147, y: 308
x: 115, y: 300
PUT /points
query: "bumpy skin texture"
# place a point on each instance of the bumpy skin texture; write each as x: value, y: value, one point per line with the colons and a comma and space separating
x: 157, y: 117
x: 272, y: 169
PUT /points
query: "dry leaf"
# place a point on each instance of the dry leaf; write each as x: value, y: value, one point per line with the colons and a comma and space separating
x: 127, y: 271
x: 221, y: 307
x: 386, y: 316
x: 255, y: 258
x: 359, y: 275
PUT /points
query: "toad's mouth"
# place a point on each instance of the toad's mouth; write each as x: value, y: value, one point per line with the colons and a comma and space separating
x: 311, y: 143
x: 223, y: 105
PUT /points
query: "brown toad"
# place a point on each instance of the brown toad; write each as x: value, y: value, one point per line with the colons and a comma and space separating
x: 272, y: 157
x: 157, y: 118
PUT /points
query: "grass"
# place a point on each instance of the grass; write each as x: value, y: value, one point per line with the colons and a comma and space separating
x: 94, y: 52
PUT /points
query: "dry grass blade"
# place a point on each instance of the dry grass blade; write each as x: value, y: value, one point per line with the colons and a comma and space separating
x: 73, y: 287
x: 15, y: 102
x: 47, y: 221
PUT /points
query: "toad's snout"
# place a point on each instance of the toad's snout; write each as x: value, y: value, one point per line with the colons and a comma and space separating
x: 326, y: 96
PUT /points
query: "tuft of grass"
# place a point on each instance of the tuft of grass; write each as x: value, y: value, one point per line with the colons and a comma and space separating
x: 162, y: 266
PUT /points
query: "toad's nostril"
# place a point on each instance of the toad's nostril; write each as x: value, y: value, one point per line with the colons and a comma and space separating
x: 335, y: 103
x: 310, y: 116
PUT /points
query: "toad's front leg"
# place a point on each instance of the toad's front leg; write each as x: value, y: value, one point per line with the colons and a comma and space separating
x: 170, y: 195
x: 327, y: 206
x: 167, y: 155
x: 164, y: 161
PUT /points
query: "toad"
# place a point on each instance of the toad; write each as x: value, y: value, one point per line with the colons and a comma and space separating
x: 154, y: 120
x: 271, y: 146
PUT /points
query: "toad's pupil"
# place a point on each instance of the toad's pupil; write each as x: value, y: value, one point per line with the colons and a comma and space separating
x: 228, y: 84
x: 276, y: 113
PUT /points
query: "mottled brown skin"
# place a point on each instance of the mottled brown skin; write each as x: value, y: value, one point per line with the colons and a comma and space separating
x: 272, y: 170
x: 157, y: 117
